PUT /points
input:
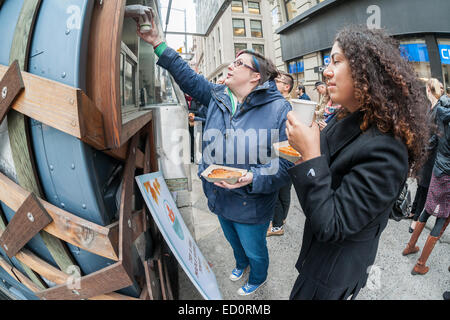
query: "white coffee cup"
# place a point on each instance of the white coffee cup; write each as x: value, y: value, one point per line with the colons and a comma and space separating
x: 144, y: 22
x: 304, y: 110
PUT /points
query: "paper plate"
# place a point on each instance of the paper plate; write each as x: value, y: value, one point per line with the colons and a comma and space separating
x: 230, y: 180
x: 278, y: 145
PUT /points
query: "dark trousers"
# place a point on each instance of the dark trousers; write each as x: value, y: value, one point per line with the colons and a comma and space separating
x: 419, y: 201
x: 191, y: 134
x: 438, y: 225
x: 282, y: 205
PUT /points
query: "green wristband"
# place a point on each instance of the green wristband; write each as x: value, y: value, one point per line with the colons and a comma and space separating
x: 160, y: 49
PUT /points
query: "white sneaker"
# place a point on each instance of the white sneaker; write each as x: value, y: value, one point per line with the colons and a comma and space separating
x: 249, y: 289
x: 236, y: 274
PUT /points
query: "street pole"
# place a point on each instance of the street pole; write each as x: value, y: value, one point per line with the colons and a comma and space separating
x: 185, y: 30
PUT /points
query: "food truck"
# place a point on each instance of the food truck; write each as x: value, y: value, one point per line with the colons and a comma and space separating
x: 83, y: 110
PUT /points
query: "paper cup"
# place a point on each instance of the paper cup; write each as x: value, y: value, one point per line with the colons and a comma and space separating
x: 304, y: 110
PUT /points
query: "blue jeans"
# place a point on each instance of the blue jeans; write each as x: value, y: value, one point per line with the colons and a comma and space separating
x: 249, y: 247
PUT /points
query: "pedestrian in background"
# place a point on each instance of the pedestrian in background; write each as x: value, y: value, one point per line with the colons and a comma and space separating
x: 248, y: 101
x: 321, y: 89
x: 285, y: 83
x: 352, y: 172
x: 434, y: 92
x: 301, y: 92
x: 438, y: 197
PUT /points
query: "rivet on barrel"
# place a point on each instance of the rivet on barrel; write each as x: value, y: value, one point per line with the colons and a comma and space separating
x: 30, y: 216
x: 4, y: 92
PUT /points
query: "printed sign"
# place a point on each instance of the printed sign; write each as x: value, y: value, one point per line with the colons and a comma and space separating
x: 444, y: 50
x: 170, y: 222
x: 415, y: 52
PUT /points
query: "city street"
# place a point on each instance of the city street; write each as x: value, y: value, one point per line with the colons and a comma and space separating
x: 391, y: 277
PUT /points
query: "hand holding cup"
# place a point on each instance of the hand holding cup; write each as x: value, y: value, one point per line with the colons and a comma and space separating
x: 304, y: 139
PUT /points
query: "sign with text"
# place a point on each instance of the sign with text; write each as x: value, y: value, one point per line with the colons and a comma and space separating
x: 170, y: 222
x: 444, y: 50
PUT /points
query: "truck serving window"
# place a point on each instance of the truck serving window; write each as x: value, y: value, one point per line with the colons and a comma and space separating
x: 142, y: 82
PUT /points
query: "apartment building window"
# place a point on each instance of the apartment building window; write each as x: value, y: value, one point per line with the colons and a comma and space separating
x: 291, y: 10
x: 253, y: 7
x: 275, y: 18
x: 237, y: 6
x: 239, y: 47
x: 297, y: 69
x: 258, y: 48
x: 256, y: 28
x: 416, y: 52
x: 239, y: 27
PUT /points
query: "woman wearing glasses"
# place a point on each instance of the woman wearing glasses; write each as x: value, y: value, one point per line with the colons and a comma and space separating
x: 245, y: 116
x: 353, y: 171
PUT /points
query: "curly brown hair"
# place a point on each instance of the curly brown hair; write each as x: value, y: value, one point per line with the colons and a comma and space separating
x: 387, y: 88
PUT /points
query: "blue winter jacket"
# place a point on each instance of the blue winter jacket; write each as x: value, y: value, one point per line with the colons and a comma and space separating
x: 243, y: 140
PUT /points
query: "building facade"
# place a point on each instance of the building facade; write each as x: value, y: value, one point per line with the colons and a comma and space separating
x: 245, y: 24
x: 306, y: 29
x: 303, y: 69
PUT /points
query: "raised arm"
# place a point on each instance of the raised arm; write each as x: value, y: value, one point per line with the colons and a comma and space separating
x: 189, y: 81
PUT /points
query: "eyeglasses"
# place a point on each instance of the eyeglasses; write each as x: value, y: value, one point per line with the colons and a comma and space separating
x: 279, y: 80
x: 238, y: 63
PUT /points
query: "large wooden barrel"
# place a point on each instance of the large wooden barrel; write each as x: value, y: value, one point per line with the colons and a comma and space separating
x: 88, y: 45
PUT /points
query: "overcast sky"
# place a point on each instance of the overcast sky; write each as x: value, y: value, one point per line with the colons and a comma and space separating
x: 176, y: 22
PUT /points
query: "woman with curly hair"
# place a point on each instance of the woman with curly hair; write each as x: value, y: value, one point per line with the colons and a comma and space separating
x: 352, y: 172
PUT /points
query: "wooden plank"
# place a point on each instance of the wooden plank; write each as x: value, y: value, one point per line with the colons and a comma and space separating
x: 125, y: 208
x: 18, y: 276
x: 92, y: 130
x: 121, y: 154
x: 130, y: 128
x: 10, y: 86
x: 43, y: 268
x: 108, y: 279
x: 37, y: 281
x: 138, y: 225
x: 25, y: 224
x: 57, y: 276
x: 103, y: 66
x: 61, y: 107
x: 23, y: 32
x: 65, y: 226
x: 152, y: 285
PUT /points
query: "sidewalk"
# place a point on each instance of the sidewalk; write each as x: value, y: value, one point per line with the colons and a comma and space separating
x: 394, y: 282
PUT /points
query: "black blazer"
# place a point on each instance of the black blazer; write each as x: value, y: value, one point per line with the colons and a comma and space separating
x: 346, y: 196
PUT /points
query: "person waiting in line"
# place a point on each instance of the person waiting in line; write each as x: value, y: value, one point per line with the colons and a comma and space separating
x: 434, y: 92
x: 321, y: 89
x: 248, y: 102
x: 301, y: 92
x: 352, y: 172
x: 197, y: 112
x: 285, y: 83
x: 438, y: 197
